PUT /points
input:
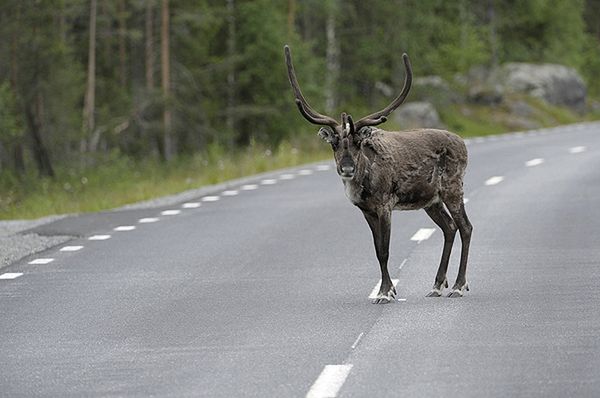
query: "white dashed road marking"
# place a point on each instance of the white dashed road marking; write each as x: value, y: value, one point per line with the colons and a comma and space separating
x: 494, y: 180
x: 357, y: 340
x: 148, y: 220
x: 124, y: 228
x: 71, y: 248
x: 249, y: 187
x: 190, y: 205
x: 11, y: 275
x: 323, y: 167
x: 577, y: 149
x: 402, y: 264
x: 170, y: 212
x: 210, y: 198
x: 305, y: 172
x: 422, y: 234
x: 375, y: 290
x: 41, y: 261
x: 99, y: 237
x: 286, y: 177
x: 534, y: 162
x: 329, y: 382
x: 466, y: 200
x: 268, y: 182
x: 229, y: 193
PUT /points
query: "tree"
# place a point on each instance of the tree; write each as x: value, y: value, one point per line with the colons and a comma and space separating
x: 90, y: 91
x: 168, y: 144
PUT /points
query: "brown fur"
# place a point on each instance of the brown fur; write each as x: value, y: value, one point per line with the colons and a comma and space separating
x: 384, y: 171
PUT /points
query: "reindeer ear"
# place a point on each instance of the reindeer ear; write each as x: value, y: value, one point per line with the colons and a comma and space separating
x: 364, y: 133
x: 328, y: 135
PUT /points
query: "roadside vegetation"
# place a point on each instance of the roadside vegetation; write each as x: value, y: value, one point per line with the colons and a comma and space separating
x: 104, y: 103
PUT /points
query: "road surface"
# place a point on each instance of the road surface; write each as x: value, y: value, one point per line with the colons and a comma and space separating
x: 262, y: 291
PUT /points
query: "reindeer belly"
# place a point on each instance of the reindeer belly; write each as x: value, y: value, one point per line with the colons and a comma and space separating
x: 417, y: 196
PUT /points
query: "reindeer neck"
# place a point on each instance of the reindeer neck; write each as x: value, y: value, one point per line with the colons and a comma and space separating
x: 358, y: 188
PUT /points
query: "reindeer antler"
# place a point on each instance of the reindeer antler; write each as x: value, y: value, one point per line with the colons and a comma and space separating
x: 309, y: 113
x: 379, y: 117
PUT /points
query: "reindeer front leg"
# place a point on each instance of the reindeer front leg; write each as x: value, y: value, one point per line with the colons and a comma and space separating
x: 380, y: 224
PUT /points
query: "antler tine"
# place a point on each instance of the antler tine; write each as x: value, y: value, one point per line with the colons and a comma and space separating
x: 379, y: 117
x: 305, y: 109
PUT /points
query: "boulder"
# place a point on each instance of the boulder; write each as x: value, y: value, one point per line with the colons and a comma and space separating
x: 556, y: 84
x: 520, y: 108
x: 416, y: 115
x: 433, y: 89
x: 485, y: 94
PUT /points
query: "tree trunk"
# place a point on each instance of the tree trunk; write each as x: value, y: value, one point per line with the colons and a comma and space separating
x: 333, y: 61
x: 491, y: 12
x: 291, y: 18
x: 149, y: 46
x: 17, y: 146
x: 168, y: 149
x: 34, y: 114
x: 90, y: 91
x: 231, y: 53
x: 122, y: 47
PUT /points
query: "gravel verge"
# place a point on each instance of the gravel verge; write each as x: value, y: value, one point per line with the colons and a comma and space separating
x: 14, y: 245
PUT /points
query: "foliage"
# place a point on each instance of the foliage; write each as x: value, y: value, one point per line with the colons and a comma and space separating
x: 228, y: 82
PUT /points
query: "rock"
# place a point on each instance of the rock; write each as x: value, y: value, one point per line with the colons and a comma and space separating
x: 520, y: 108
x: 433, y: 89
x: 556, y: 84
x: 417, y: 115
x: 434, y: 82
x: 485, y: 94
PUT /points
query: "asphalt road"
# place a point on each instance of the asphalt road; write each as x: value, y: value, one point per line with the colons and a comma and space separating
x: 265, y: 293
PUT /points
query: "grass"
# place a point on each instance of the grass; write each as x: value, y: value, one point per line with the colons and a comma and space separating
x: 116, y: 180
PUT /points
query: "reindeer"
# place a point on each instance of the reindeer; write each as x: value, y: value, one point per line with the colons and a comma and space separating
x: 384, y: 171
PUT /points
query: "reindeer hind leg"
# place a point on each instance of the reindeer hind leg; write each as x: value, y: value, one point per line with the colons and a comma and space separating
x: 443, y: 220
x: 457, y: 211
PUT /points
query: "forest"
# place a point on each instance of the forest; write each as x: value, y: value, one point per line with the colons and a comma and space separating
x: 105, y: 102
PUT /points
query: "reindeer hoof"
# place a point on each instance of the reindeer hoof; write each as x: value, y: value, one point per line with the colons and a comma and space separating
x: 459, y: 291
x: 434, y: 293
x: 385, y: 298
x: 438, y: 289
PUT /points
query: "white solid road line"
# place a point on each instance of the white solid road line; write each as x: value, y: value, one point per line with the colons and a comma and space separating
x: 577, y: 149
x: 11, y: 275
x: 148, y: 220
x: 41, y: 261
x: 249, y: 187
x: 329, y: 382
x: 99, y: 237
x: 71, y: 248
x: 269, y: 181
x: 210, y: 198
x: 170, y: 212
x: 494, y: 180
x: 190, y: 205
x: 124, y: 228
x: 232, y: 192
x: 375, y: 290
x: 534, y: 162
x: 422, y: 234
